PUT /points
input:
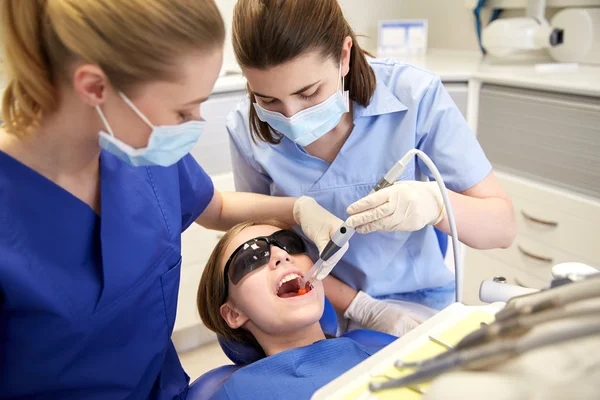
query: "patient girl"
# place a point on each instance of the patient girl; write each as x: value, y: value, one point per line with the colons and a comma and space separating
x: 249, y: 293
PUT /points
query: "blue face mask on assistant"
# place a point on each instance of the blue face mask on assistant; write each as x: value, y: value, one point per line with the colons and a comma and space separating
x: 166, y: 146
x: 310, y: 124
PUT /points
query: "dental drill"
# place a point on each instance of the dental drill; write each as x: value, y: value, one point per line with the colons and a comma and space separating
x: 345, y: 232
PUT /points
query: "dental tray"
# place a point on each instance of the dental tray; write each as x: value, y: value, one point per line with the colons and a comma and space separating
x: 448, y: 326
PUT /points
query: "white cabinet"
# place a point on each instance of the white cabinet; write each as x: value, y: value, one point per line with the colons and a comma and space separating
x: 554, y: 226
x: 212, y: 150
x: 458, y: 92
x: 545, y: 148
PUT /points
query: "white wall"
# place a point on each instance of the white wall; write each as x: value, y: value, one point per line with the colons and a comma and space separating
x: 451, y: 24
x: 364, y: 17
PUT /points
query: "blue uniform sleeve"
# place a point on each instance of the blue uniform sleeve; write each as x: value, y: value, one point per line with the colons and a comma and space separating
x: 220, y: 394
x: 247, y: 174
x: 196, y: 190
x: 444, y: 135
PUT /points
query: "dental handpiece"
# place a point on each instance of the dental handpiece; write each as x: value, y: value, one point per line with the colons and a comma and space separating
x: 343, y: 234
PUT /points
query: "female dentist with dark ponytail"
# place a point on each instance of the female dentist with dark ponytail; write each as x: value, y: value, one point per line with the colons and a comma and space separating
x: 324, y: 120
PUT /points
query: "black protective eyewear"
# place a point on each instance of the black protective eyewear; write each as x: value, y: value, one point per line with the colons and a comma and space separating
x: 255, y: 253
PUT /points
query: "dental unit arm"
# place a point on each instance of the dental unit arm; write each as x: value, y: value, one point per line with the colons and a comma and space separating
x: 345, y: 232
x: 507, y: 36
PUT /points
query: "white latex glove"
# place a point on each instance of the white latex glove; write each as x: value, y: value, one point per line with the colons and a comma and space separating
x: 318, y: 225
x: 381, y: 316
x: 404, y: 206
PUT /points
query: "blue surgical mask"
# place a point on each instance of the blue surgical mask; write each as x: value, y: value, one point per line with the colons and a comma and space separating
x: 310, y: 124
x: 166, y: 146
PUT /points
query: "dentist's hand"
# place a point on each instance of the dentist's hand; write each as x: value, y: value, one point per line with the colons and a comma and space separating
x: 404, y: 206
x: 318, y: 225
x: 378, y: 315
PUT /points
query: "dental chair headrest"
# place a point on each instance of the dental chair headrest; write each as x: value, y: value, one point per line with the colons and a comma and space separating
x: 242, y: 354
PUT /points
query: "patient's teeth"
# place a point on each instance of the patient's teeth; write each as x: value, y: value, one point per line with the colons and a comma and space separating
x: 288, y: 278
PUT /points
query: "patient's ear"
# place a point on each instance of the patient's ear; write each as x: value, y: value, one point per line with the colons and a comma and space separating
x: 233, y: 316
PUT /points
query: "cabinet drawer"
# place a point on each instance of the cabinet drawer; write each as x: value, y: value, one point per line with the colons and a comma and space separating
x: 565, y: 232
x: 567, y: 222
x: 480, y: 267
x: 532, y: 257
x: 550, y: 198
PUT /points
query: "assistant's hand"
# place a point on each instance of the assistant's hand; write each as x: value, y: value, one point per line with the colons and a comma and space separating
x: 382, y: 316
x: 404, y: 206
x: 318, y: 225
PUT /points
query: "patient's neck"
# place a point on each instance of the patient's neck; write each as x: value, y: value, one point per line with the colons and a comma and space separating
x: 273, y: 344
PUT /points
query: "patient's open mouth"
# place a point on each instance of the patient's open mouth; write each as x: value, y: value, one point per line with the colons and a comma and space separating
x: 289, y: 286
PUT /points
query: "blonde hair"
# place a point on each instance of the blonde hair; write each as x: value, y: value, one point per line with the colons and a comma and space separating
x: 132, y: 41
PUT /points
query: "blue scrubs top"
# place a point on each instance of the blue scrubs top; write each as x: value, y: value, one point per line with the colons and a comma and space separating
x: 409, y: 109
x: 294, y: 374
x: 88, y: 302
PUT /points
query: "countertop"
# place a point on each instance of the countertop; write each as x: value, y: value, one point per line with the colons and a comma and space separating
x: 458, y: 66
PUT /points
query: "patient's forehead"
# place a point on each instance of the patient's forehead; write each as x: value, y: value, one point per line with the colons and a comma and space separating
x: 248, y: 233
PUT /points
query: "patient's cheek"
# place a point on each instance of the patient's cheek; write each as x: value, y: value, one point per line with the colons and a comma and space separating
x: 304, y: 263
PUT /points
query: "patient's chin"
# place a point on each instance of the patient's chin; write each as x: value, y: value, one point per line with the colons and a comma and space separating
x: 292, y: 320
x: 305, y: 316
x: 278, y: 315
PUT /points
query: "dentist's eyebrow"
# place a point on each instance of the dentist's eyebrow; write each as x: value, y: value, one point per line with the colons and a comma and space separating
x: 304, y: 89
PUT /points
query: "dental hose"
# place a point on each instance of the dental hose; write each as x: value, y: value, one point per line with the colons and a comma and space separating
x: 458, y: 267
x: 345, y: 232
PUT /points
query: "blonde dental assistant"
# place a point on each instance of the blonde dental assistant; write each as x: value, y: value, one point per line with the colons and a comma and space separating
x: 101, y: 108
x: 322, y: 120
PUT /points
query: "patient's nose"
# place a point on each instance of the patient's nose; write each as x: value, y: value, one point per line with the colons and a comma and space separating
x: 278, y: 257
